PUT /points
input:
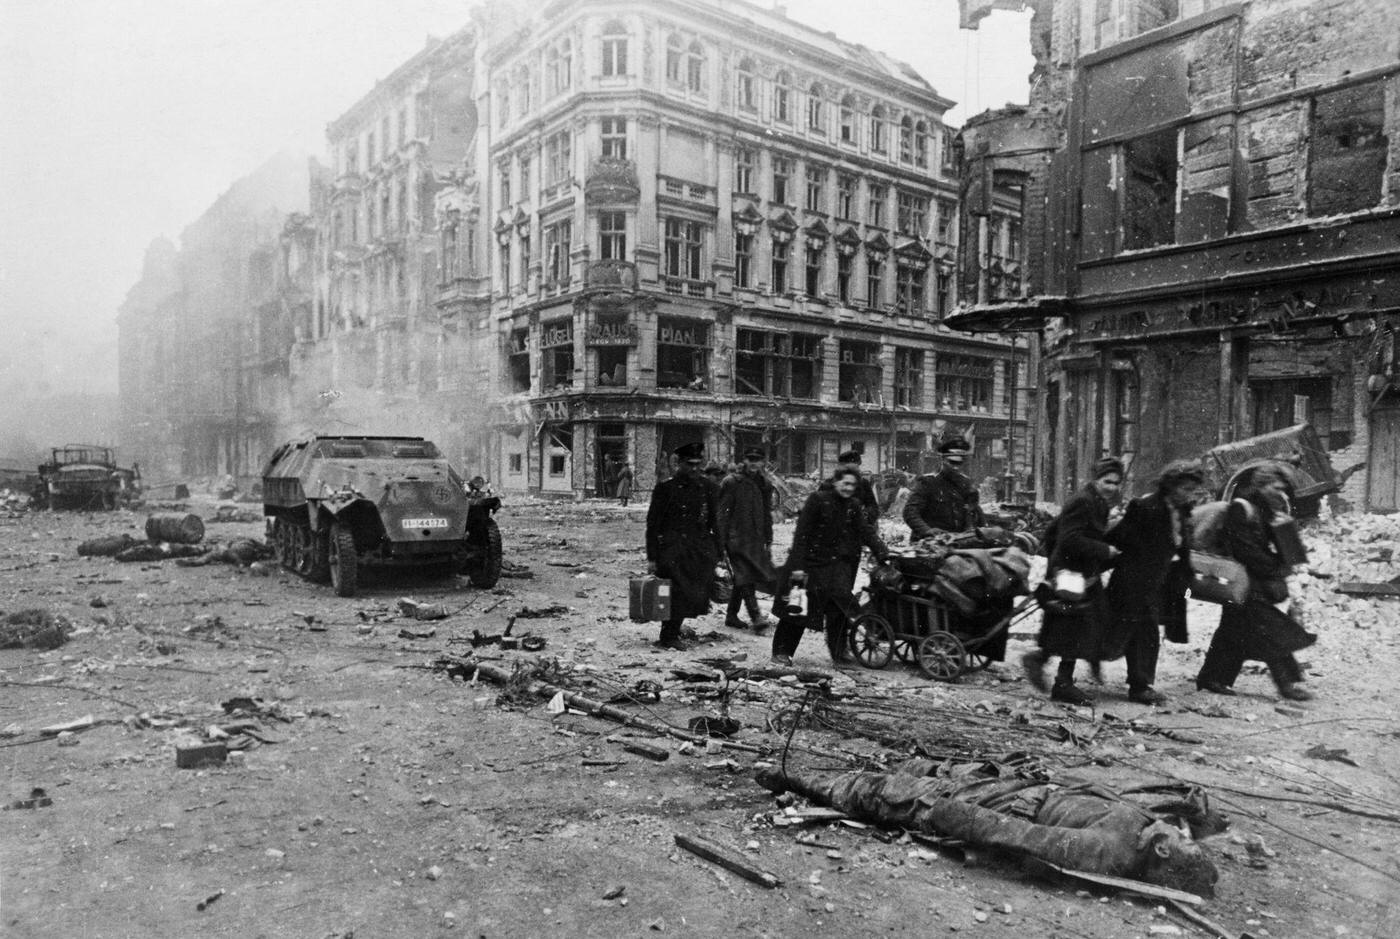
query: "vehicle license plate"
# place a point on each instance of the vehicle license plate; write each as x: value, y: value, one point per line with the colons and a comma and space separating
x: 424, y: 523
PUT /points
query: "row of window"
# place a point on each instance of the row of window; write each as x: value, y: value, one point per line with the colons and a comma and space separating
x: 375, y: 145
x: 768, y: 363
x: 909, y: 139
x: 685, y: 267
x: 386, y: 210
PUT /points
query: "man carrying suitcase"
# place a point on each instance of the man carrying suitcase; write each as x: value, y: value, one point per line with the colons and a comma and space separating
x: 682, y: 541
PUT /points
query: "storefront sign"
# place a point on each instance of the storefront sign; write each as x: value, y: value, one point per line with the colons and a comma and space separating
x: 612, y: 334
x: 677, y: 335
x: 1274, y: 311
x: 557, y: 334
x: 553, y: 412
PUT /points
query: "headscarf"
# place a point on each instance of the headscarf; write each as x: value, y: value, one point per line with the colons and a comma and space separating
x: 1178, y: 472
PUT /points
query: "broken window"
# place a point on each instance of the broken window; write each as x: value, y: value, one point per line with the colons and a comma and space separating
x: 743, y: 259
x: 908, y: 377
x: 859, y: 377
x: 748, y: 100
x: 782, y: 95
x: 682, y: 354
x: 519, y: 360
x: 1347, y: 152
x: 557, y: 346
x: 1150, y: 176
x: 556, y: 249
x: 964, y: 383
x: 776, y: 364
x: 845, y: 263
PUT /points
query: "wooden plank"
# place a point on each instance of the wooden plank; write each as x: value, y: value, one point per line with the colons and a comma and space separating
x: 1357, y: 588
x: 647, y: 750
x: 1124, y: 883
x: 729, y: 860
x: 1214, y: 928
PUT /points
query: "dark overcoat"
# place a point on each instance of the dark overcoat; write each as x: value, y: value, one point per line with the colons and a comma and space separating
x: 682, y: 541
x: 1148, y: 584
x: 1081, y: 546
x: 830, y: 534
x: 864, y: 494
x: 745, y: 524
x: 946, y: 501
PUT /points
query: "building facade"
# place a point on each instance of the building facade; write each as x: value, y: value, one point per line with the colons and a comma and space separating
x: 1218, y: 246
x: 706, y: 222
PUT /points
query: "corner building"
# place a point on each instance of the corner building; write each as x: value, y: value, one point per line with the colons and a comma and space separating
x: 701, y: 221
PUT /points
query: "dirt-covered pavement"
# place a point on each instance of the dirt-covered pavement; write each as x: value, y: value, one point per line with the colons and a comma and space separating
x: 376, y: 793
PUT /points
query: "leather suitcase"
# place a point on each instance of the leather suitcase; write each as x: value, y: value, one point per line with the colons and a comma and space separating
x: 649, y: 599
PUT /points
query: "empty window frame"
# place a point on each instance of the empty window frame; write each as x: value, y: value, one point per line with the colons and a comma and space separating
x: 1151, y: 175
x: 964, y: 383
x: 875, y: 204
x: 746, y: 93
x: 557, y: 238
x: 913, y: 214
x: 874, y: 279
x: 816, y: 182
x: 815, y: 114
x: 910, y: 281
x: 772, y: 364
x: 908, y: 378
x: 813, y: 269
x: 845, y: 266
x: 743, y: 259
x: 682, y: 353
x: 782, y: 252
x: 782, y: 179
x: 845, y: 195
x: 782, y: 98
x: 858, y: 373
x: 848, y: 119
x: 557, y: 354
x: 1347, y: 150
x: 558, y: 155
x: 518, y: 360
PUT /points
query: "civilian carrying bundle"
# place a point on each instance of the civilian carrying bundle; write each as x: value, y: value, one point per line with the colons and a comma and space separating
x: 1215, y: 578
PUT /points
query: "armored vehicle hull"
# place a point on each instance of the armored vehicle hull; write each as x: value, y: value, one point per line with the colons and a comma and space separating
x: 337, y: 504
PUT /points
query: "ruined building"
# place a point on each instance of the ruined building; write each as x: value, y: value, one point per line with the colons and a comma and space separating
x: 1213, y: 222
x: 191, y: 341
x: 557, y: 239
x: 706, y: 222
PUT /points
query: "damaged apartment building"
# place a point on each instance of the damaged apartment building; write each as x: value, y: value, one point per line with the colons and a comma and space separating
x: 708, y: 223
x: 564, y: 237
x: 1214, y: 229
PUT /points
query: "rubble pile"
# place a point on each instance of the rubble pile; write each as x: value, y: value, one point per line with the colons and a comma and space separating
x: 1346, y: 548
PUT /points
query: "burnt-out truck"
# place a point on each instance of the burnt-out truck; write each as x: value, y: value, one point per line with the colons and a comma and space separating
x: 85, y: 476
x: 335, y: 504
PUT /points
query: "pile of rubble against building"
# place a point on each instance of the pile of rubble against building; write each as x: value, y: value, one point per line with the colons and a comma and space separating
x: 1344, y: 550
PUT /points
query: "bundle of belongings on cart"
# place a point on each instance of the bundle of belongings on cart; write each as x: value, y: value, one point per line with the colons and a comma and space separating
x: 1014, y: 807
x: 971, y: 568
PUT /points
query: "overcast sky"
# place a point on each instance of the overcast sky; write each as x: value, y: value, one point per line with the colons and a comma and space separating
x: 122, y: 120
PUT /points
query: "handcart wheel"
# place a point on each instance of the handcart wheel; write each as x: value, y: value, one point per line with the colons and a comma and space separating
x: 872, y: 640
x: 941, y: 656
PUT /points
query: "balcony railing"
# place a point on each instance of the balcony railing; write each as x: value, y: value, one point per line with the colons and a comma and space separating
x: 617, y: 274
x: 683, y: 287
x: 612, y: 179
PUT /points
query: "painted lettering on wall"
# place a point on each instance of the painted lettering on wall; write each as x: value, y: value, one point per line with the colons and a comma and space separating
x: 557, y: 334
x: 552, y: 411
x: 612, y: 334
x: 1276, y: 312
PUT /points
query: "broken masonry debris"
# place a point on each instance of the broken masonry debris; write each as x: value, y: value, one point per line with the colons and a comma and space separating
x: 53, y: 730
x: 714, y: 726
x: 34, y: 629
x: 650, y: 751
x: 728, y: 859
x: 203, y: 754
x: 424, y: 611
x: 204, y: 904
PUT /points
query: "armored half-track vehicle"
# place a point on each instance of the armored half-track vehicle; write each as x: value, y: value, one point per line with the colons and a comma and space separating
x: 85, y: 476
x: 335, y: 504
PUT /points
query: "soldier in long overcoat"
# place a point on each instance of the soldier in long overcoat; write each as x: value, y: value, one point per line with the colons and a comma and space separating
x: 946, y: 501
x: 746, y: 534
x: 682, y: 542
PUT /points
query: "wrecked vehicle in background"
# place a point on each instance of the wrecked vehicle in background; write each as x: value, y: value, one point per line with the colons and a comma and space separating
x: 337, y: 503
x: 85, y: 476
x: 1299, y: 452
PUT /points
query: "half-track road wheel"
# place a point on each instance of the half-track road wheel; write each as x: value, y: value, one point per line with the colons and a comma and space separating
x: 345, y: 567
x: 487, y: 571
